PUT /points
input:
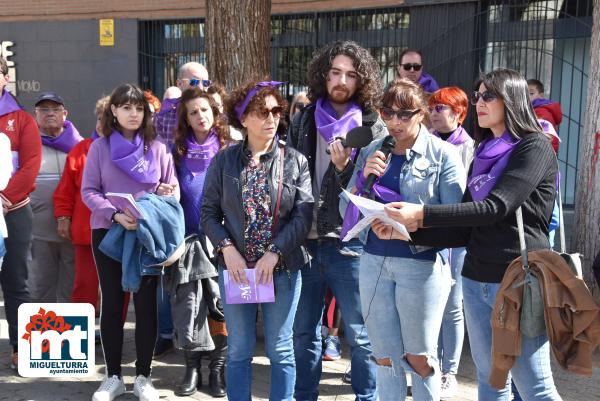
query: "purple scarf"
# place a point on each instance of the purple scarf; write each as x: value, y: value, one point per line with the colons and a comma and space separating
x: 428, y: 83
x: 329, y: 126
x: 458, y: 137
x: 8, y: 104
x: 490, y: 161
x: 352, y: 214
x: 129, y: 157
x: 66, y: 140
x: 199, y: 156
x: 540, y: 102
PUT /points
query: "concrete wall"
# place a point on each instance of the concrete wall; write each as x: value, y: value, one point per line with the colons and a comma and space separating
x: 66, y: 57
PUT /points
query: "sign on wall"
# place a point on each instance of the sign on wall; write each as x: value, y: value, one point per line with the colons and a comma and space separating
x: 12, y: 72
x: 107, y: 32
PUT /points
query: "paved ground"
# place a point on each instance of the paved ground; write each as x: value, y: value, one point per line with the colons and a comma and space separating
x: 168, y: 371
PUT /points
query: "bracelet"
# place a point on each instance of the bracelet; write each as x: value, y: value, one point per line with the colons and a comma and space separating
x: 62, y: 218
x: 112, y: 217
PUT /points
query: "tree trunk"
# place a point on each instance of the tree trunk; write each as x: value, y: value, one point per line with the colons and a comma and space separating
x: 238, y: 40
x: 587, y: 207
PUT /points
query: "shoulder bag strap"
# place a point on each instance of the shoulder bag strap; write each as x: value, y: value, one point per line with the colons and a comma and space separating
x: 561, y: 226
x: 279, y: 188
x: 523, y: 246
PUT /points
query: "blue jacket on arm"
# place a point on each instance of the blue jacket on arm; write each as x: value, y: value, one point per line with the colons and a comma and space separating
x: 158, y: 237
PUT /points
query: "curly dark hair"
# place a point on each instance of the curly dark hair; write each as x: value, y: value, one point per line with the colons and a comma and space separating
x: 370, y: 87
x: 183, y: 128
x: 238, y: 95
x: 132, y: 94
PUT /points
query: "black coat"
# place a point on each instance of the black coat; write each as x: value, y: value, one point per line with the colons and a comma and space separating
x: 223, y: 214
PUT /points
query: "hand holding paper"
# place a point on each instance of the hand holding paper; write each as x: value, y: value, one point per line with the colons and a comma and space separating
x: 372, y: 210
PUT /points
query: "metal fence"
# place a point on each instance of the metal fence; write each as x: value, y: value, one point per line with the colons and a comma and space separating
x: 548, y: 40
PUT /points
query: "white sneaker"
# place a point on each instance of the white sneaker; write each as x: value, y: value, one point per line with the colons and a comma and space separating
x: 449, y: 386
x: 111, y: 388
x: 144, y: 390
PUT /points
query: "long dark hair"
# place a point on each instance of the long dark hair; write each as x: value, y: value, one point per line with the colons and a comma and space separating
x: 132, y: 94
x: 183, y: 128
x: 510, y: 87
x: 369, y: 88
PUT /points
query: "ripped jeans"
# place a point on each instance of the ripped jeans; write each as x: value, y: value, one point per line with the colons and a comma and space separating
x: 403, y: 302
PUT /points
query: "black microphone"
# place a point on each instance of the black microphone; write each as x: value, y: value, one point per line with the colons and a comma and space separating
x: 386, y: 148
x: 357, y: 137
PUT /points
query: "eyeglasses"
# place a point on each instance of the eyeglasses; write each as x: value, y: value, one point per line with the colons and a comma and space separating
x: 402, y: 115
x: 438, y: 108
x: 263, y: 114
x: 195, y: 82
x: 411, y: 66
x: 48, y: 110
x: 487, y: 97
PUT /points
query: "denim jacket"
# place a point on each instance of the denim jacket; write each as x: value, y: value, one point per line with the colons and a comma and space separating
x: 432, y: 174
x: 159, y: 235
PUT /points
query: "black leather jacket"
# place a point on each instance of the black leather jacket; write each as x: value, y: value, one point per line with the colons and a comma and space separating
x: 223, y: 215
x: 302, y: 135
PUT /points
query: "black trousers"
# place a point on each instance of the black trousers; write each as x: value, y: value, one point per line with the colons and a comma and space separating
x: 13, y: 277
x: 111, y: 313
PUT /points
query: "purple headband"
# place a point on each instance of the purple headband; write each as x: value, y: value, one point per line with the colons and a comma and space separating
x: 240, y: 108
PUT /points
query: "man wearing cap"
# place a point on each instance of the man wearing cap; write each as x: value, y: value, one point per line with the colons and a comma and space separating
x: 411, y: 67
x: 25, y: 144
x: 52, y: 269
x: 165, y: 121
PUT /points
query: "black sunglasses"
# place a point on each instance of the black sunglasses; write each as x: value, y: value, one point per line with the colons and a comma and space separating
x: 263, y: 114
x: 487, y: 97
x: 413, y: 66
x: 403, y: 115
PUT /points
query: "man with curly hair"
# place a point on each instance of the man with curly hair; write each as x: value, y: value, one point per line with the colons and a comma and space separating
x: 344, y: 90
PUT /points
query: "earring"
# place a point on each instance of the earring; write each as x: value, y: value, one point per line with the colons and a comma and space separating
x: 114, y: 120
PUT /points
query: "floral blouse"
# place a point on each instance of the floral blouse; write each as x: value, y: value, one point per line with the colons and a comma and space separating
x: 256, y: 201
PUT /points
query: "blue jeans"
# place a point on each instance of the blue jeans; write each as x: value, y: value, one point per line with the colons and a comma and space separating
x: 452, y: 333
x: 165, y: 321
x: 403, y: 301
x: 531, y: 372
x: 278, y: 320
x: 334, y: 265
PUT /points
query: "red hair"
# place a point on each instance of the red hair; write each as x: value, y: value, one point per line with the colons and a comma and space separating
x: 454, y: 97
x: 153, y: 100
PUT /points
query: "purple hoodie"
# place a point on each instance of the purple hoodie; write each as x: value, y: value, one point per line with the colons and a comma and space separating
x: 101, y: 175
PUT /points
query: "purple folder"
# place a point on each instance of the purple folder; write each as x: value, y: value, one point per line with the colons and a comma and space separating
x: 251, y: 293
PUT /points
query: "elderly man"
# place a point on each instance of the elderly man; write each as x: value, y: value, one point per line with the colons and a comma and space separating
x: 411, y: 67
x: 25, y: 146
x: 165, y: 121
x: 53, y: 267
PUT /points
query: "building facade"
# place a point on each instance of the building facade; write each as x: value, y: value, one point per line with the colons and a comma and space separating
x: 56, y: 45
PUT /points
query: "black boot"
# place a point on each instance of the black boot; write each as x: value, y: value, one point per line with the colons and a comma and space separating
x: 192, y: 374
x: 216, y: 378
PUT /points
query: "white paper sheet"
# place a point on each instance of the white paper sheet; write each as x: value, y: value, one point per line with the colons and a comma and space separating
x: 371, y: 210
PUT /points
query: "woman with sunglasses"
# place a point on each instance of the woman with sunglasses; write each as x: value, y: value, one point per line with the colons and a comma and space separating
x: 257, y: 211
x: 447, y: 111
x: 514, y: 166
x: 403, y: 290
